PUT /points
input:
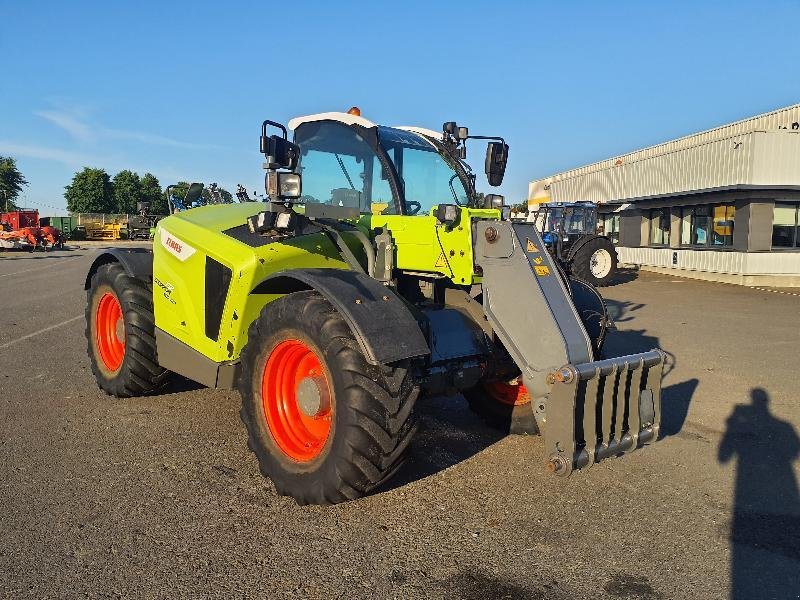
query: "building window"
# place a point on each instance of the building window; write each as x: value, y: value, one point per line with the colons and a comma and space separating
x: 722, y: 225
x: 709, y: 225
x: 785, y: 225
x: 659, y: 227
x: 611, y: 227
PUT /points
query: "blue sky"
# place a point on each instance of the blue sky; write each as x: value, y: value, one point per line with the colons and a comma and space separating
x: 180, y: 88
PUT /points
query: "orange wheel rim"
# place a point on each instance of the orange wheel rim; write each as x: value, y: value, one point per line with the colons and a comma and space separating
x: 506, y: 393
x: 296, y: 397
x: 110, y: 328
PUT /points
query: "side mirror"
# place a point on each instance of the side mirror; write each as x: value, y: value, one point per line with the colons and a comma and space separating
x: 193, y: 194
x: 496, y: 159
x: 280, y: 152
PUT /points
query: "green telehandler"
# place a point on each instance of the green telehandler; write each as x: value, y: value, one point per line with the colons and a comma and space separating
x: 373, y: 273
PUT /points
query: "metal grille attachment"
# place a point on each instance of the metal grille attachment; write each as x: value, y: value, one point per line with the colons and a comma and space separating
x: 602, y: 409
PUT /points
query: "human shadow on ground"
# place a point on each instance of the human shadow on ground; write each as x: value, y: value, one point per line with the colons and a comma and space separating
x: 765, y: 528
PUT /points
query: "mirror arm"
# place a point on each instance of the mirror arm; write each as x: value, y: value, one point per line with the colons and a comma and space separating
x: 486, y: 137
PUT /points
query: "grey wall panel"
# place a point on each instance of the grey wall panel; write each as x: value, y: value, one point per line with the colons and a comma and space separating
x: 630, y: 228
x: 762, y: 150
x: 760, y: 226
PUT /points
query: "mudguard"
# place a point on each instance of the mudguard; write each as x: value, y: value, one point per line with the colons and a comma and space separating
x: 383, y: 325
x: 137, y: 262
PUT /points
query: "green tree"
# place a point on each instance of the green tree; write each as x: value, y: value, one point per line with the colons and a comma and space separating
x: 226, y: 195
x: 127, y: 191
x: 521, y: 208
x: 91, y: 191
x: 11, y: 182
x: 151, y: 192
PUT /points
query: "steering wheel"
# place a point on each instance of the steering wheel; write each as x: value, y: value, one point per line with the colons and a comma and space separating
x: 412, y: 207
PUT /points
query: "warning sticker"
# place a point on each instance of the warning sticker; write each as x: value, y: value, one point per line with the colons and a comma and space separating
x: 541, y: 270
x: 538, y: 260
x: 530, y: 247
x: 441, y: 261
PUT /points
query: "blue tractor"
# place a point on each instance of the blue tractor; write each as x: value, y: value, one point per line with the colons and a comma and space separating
x: 569, y: 229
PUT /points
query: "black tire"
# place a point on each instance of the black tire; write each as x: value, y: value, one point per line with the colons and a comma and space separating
x: 592, y: 310
x: 139, y: 373
x: 581, y: 263
x: 506, y: 418
x: 372, y: 419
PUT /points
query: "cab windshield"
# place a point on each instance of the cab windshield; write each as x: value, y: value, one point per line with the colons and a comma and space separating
x: 427, y: 178
x: 577, y: 219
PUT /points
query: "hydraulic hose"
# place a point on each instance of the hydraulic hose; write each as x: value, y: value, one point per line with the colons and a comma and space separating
x: 335, y: 227
x: 368, y: 250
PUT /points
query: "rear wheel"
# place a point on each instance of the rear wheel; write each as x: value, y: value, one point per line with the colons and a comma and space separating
x: 120, y: 331
x: 504, y: 406
x: 595, y: 262
x: 325, y: 425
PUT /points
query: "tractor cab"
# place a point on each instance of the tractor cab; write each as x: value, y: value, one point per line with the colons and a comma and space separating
x: 347, y: 161
x: 567, y: 218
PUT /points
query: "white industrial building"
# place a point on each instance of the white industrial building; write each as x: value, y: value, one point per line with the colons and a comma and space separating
x: 721, y: 204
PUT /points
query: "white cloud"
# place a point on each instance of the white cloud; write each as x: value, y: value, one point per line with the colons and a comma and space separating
x: 72, y: 121
x: 78, y: 160
x: 67, y: 157
x: 69, y: 123
x: 150, y: 138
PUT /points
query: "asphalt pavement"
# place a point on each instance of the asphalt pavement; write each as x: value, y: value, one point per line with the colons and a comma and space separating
x: 159, y: 497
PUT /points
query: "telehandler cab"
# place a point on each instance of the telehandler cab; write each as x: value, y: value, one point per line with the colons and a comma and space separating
x: 372, y: 274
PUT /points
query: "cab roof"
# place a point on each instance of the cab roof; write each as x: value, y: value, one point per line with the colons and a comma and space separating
x: 349, y: 119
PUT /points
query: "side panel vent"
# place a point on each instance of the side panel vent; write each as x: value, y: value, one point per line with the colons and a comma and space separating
x: 218, y: 280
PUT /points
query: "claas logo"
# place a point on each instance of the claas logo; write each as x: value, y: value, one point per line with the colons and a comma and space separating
x: 174, y: 245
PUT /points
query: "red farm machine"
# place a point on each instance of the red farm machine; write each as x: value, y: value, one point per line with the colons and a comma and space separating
x: 22, y: 229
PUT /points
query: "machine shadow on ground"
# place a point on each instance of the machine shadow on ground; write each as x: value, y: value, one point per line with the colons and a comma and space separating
x: 450, y: 433
x: 37, y: 255
x: 765, y: 527
x: 675, y: 398
x: 623, y: 276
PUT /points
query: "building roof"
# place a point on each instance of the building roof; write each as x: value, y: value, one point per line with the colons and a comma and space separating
x: 761, y: 150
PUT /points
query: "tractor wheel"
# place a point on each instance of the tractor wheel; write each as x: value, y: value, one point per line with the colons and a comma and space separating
x: 120, y: 331
x: 325, y: 425
x: 595, y: 262
x: 504, y: 406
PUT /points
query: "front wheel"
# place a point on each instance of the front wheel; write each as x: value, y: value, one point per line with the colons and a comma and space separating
x: 325, y: 425
x: 120, y: 332
x: 595, y: 262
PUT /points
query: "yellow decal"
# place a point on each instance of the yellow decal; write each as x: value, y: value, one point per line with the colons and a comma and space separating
x: 441, y: 261
x: 530, y: 247
x: 538, y: 260
x: 542, y: 270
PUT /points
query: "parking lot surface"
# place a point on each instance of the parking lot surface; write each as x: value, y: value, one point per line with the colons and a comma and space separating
x: 159, y: 496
